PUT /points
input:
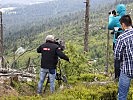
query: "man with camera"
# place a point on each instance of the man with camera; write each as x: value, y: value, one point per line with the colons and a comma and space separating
x: 114, y: 25
x: 50, y: 51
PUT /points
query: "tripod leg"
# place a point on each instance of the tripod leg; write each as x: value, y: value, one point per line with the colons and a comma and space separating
x: 59, y: 83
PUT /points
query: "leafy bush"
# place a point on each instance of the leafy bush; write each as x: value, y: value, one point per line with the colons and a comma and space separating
x: 78, y: 61
x: 21, y: 98
x: 79, y: 92
x: 83, y: 92
x: 92, y: 77
x: 87, y: 78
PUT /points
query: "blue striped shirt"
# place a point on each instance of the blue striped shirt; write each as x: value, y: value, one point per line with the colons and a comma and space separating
x: 124, y: 51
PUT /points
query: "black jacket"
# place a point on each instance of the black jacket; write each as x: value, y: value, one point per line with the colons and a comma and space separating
x: 50, y: 53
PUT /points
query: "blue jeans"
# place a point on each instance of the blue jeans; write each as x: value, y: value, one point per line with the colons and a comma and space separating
x: 43, y: 73
x: 124, y: 84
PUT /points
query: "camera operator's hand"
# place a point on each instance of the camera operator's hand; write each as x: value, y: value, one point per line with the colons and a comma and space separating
x: 68, y: 60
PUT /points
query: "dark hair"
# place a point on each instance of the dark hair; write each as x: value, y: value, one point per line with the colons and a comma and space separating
x: 126, y: 19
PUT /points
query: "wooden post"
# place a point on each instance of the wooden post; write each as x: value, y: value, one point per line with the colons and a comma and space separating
x: 1, y: 41
x: 107, y: 55
x: 86, y: 26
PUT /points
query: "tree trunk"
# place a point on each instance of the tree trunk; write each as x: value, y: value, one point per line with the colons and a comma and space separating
x: 1, y: 42
x: 86, y: 26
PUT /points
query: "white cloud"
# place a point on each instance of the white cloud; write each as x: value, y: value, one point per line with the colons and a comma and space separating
x: 7, y: 9
x: 22, y: 1
x: 36, y: 2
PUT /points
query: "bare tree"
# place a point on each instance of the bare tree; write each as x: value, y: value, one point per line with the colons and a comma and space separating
x: 86, y: 26
x: 1, y: 41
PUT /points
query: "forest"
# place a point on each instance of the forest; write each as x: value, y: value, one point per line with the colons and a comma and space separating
x: 85, y: 72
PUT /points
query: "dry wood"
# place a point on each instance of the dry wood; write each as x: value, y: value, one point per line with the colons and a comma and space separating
x: 98, y: 82
x: 14, y: 72
x: 86, y: 26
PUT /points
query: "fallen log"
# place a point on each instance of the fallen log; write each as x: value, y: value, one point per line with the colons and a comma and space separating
x: 98, y: 83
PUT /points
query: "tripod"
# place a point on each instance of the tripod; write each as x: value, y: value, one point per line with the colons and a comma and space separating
x: 59, y: 77
x: 48, y: 81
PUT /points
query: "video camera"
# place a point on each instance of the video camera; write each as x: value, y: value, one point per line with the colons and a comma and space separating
x: 117, y: 29
x: 60, y: 43
x: 113, y: 12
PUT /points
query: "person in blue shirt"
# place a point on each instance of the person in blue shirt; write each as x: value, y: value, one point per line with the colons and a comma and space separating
x: 115, y: 25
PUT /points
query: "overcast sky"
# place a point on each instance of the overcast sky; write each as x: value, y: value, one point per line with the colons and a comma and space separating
x: 21, y: 1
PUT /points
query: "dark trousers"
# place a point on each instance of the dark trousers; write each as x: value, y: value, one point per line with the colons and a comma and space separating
x: 113, y: 46
x: 117, y: 62
x: 116, y: 65
x: 117, y: 68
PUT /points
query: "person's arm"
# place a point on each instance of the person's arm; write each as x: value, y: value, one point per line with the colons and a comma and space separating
x: 111, y: 23
x: 61, y: 54
x: 39, y: 49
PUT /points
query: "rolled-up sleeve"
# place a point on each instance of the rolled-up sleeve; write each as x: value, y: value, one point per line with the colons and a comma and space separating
x: 111, y: 23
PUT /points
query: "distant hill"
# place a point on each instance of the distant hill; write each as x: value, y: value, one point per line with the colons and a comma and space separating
x: 27, y: 14
x: 67, y: 27
x: 25, y: 2
x: 54, y: 7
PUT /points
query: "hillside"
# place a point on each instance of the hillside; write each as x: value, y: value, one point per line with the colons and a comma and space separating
x: 69, y: 28
x: 22, y: 15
